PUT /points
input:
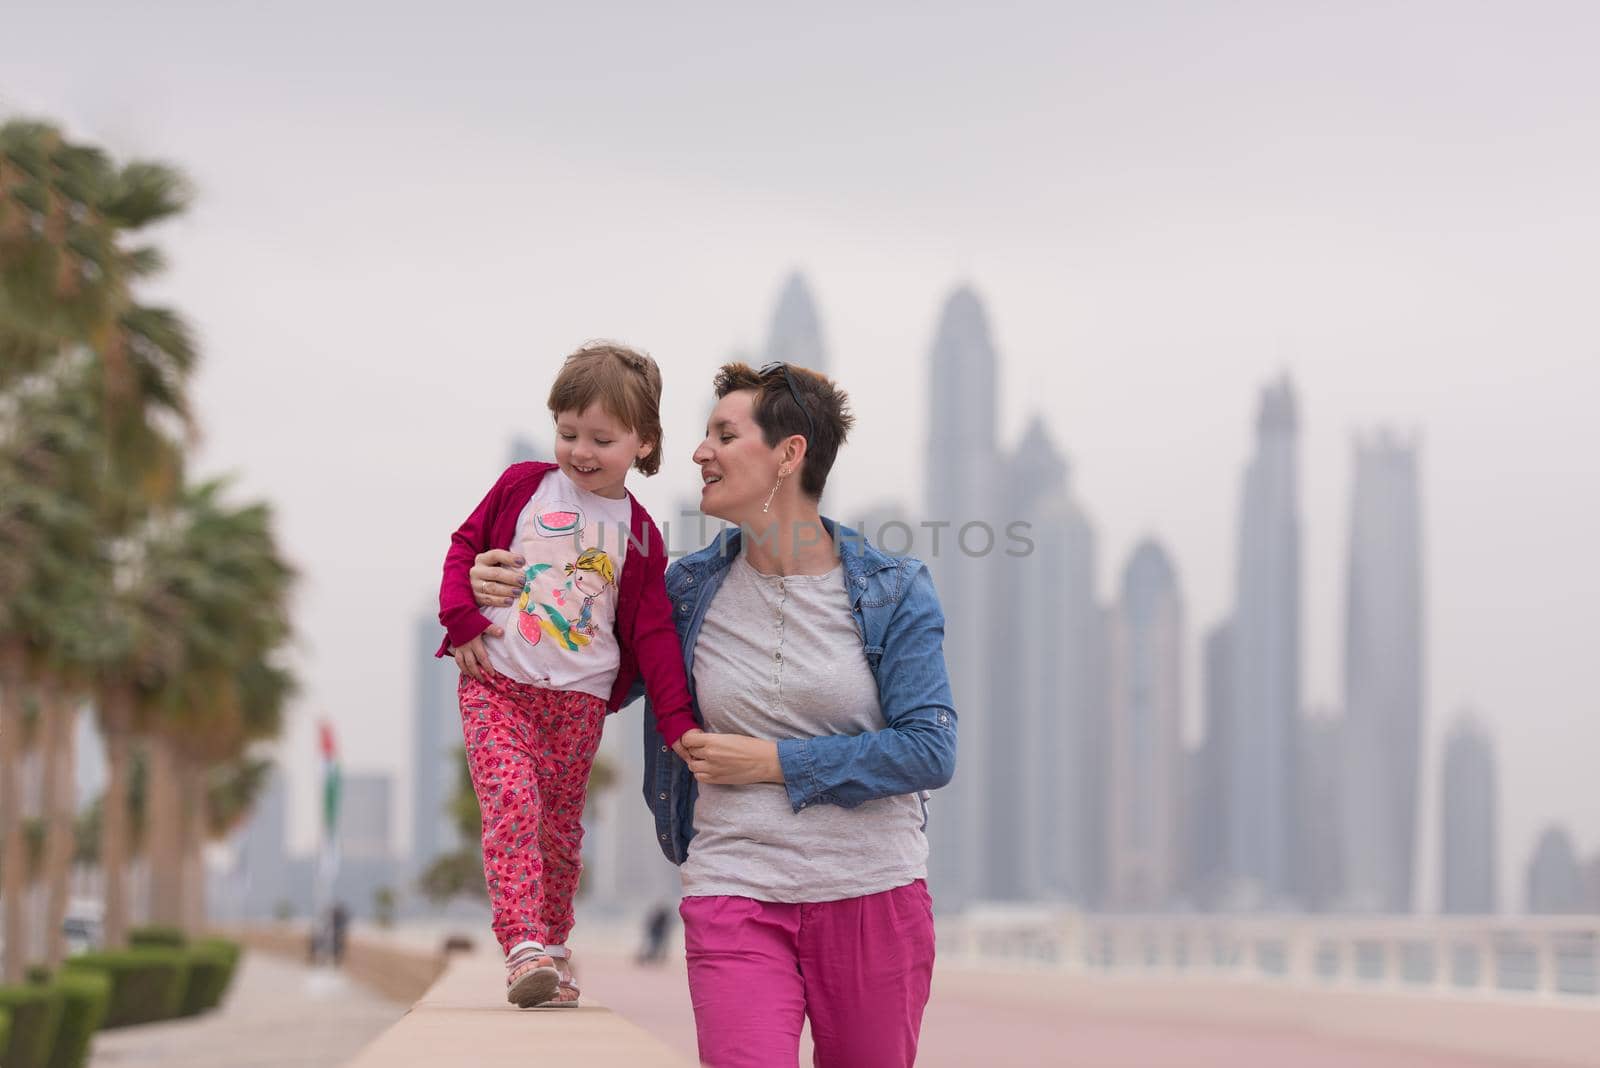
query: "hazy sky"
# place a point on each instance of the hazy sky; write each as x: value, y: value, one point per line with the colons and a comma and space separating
x: 408, y: 214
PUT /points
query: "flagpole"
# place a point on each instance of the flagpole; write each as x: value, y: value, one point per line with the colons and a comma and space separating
x: 328, y: 848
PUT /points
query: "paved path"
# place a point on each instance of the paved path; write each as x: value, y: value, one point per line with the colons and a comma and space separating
x: 282, y: 1015
x: 1005, y: 1020
x: 279, y: 1014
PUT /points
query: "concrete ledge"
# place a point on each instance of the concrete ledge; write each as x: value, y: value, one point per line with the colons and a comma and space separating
x: 398, y: 971
x: 464, y: 1019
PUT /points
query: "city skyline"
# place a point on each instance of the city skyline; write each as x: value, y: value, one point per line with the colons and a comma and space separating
x: 1141, y: 651
x: 1401, y: 222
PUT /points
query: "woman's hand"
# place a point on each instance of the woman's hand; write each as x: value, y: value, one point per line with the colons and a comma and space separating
x: 496, y: 577
x: 730, y: 759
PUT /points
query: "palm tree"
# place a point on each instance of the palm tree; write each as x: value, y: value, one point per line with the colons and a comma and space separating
x: 69, y: 320
x: 220, y: 689
x: 47, y: 539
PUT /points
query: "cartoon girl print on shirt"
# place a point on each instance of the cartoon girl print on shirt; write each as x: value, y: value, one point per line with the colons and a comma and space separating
x: 591, y: 574
x: 587, y: 578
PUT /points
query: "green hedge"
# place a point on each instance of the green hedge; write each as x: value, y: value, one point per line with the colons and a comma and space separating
x: 158, y: 937
x: 146, y: 984
x: 211, y: 965
x: 34, y: 1013
x: 84, y: 999
x: 5, y: 1027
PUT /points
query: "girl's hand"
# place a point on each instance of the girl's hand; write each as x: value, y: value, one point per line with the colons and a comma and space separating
x: 473, y: 659
x: 731, y: 759
x: 496, y: 577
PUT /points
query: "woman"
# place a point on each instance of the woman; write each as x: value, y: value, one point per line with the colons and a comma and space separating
x: 797, y: 814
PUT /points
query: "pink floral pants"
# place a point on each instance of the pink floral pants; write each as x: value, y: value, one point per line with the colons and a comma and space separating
x: 529, y: 751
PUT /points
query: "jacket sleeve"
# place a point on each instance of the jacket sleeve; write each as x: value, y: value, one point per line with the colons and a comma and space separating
x: 916, y: 750
x: 458, y: 610
x: 660, y: 655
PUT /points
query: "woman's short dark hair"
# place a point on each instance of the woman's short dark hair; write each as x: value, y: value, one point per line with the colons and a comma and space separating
x: 824, y: 423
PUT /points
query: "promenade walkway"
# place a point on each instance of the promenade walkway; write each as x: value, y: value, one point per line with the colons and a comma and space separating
x: 1001, y: 1020
x: 283, y: 1014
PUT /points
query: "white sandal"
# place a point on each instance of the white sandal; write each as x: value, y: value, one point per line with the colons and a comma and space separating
x: 531, y: 977
x: 567, y: 984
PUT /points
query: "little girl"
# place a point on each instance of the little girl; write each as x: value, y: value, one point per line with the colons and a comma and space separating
x: 539, y: 675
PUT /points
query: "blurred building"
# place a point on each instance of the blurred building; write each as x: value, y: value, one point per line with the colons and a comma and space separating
x: 1468, y: 837
x: 1320, y: 785
x: 261, y: 881
x: 435, y: 746
x: 1266, y: 673
x: 1591, y: 885
x: 1046, y: 777
x: 1383, y: 677
x: 367, y: 860
x: 1206, y: 833
x: 366, y: 802
x: 796, y: 334
x: 1146, y: 753
x: 961, y: 487
x: 1555, y: 884
x: 623, y: 868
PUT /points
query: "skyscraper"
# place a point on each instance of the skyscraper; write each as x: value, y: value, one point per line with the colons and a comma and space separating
x: 364, y: 808
x: 1146, y: 754
x: 1318, y: 852
x: 435, y: 743
x: 962, y: 470
x: 1266, y: 646
x: 1555, y: 883
x: 1207, y: 834
x: 1468, y: 840
x: 1383, y: 677
x: 796, y: 334
x: 1045, y: 759
x: 263, y: 870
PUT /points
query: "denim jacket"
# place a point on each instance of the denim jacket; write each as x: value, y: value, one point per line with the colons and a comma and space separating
x: 902, y: 634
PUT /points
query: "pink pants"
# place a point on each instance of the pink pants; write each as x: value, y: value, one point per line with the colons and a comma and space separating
x: 529, y: 751
x: 859, y: 968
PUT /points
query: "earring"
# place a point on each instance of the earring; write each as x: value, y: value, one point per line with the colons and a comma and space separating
x: 782, y: 474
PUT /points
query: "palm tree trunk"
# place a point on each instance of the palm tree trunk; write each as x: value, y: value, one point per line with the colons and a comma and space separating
x: 164, y: 848
x: 114, y: 816
x: 14, y: 861
x: 48, y: 741
x: 61, y: 716
x: 194, y: 838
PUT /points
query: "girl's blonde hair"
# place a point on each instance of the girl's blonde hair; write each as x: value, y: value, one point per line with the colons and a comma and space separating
x: 596, y: 560
x: 626, y: 383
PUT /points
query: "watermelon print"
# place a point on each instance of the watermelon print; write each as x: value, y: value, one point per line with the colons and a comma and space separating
x: 530, y: 751
x: 558, y: 522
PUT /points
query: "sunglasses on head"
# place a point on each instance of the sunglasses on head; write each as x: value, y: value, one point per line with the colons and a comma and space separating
x: 779, y: 365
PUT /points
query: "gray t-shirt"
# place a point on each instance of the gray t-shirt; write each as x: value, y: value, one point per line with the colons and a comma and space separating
x: 780, y: 657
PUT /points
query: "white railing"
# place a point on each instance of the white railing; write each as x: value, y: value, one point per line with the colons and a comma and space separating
x: 1535, y: 956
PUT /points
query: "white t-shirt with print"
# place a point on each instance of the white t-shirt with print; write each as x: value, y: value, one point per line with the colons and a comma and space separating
x: 559, y: 633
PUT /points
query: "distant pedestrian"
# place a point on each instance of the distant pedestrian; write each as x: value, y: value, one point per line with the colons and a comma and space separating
x: 655, y: 935
x: 338, y: 927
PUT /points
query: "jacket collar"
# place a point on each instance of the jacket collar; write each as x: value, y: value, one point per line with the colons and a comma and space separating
x: 860, y: 559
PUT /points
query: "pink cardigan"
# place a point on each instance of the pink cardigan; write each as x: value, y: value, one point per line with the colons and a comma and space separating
x: 648, y: 640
